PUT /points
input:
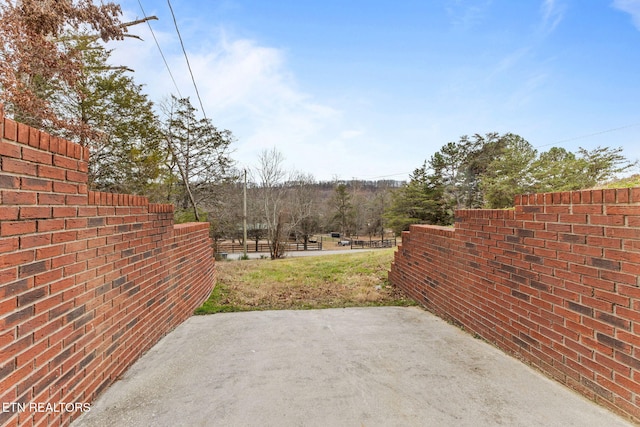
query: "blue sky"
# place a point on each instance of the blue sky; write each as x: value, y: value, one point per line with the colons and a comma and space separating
x: 370, y: 89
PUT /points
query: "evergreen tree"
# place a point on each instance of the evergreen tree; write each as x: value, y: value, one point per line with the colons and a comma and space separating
x: 199, y: 155
x: 344, y: 214
x: 421, y: 201
x: 509, y: 173
x: 118, y: 123
x: 556, y: 170
x: 602, y: 164
x: 480, y: 152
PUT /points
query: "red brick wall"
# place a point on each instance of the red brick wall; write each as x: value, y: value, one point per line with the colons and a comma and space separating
x: 88, y: 281
x: 554, y: 282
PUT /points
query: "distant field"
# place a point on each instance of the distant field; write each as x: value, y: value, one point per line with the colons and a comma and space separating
x: 328, y: 281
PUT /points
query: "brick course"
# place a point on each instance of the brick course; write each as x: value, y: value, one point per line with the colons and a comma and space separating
x: 554, y: 282
x: 88, y: 281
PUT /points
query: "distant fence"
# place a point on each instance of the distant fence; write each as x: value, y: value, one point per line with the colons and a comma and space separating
x: 264, y: 247
x: 362, y: 244
x: 252, y: 247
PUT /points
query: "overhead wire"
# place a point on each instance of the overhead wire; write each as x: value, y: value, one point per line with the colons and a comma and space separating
x: 589, y: 135
x: 539, y: 146
x: 186, y: 57
x: 369, y: 178
x: 166, y: 64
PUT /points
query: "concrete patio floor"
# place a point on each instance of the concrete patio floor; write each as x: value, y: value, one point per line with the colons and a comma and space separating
x: 385, y: 366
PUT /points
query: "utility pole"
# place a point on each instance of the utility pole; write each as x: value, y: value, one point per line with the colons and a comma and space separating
x: 244, y: 217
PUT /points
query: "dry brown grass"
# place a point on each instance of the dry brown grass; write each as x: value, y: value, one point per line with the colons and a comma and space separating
x: 344, y: 280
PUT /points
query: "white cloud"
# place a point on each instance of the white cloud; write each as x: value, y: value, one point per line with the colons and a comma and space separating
x: 466, y: 16
x: 247, y: 88
x: 350, y: 134
x: 632, y: 7
x: 552, y: 14
x: 510, y: 61
x: 527, y: 90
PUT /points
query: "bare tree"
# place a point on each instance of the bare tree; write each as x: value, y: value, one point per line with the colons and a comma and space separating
x: 288, y: 201
x: 224, y: 213
x: 271, y: 176
x: 256, y: 229
x: 303, y: 201
x: 375, y: 208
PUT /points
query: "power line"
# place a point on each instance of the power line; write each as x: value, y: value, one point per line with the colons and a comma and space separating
x: 175, y: 22
x: 161, y: 54
x: 538, y: 146
x: 588, y: 135
x: 385, y: 176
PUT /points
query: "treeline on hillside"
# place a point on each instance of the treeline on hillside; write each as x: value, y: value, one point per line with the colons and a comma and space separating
x: 487, y: 171
x: 283, y: 205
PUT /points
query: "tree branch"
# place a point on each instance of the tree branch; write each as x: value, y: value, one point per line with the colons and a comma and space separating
x: 139, y: 21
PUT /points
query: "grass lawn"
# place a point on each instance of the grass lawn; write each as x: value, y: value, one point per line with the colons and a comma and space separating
x: 358, y: 279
